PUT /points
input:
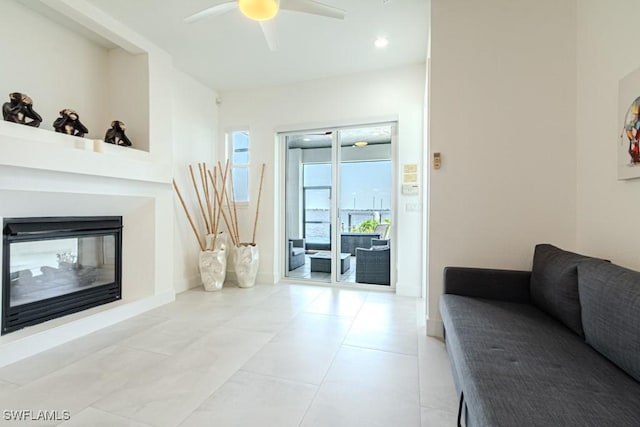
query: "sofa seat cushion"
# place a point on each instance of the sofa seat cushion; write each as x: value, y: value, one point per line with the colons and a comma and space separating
x: 610, y: 298
x: 297, y: 251
x: 554, y: 284
x: 517, y: 366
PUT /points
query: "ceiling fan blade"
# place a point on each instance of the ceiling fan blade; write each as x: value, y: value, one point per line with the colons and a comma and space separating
x: 218, y: 9
x: 313, y: 8
x: 269, y: 31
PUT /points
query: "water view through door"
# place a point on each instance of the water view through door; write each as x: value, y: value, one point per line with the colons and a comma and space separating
x: 339, y: 219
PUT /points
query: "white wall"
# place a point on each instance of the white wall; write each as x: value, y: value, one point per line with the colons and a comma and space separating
x: 56, y: 67
x: 502, y: 103
x: 195, y: 116
x: 348, y: 99
x: 128, y: 98
x: 607, y: 208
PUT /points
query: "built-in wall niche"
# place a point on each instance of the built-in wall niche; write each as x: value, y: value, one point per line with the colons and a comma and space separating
x: 61, y: 64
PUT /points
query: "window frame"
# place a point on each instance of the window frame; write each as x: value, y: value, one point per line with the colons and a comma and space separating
x: 229, y: 148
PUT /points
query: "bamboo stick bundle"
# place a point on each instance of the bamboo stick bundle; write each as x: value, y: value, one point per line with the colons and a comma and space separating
x: 233, y: 220
x: 186, y: 211
x: 255, y: 222
x: 195, y: 187
x: 220, y: 200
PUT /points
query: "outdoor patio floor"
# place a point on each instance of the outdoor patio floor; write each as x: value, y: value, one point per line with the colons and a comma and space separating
x: 304, y: 272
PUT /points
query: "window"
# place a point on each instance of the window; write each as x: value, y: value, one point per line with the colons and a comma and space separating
x: 238, y: 143
x: 317, y: 202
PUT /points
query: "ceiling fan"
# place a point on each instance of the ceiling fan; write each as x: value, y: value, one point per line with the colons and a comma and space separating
x: 265, y: 10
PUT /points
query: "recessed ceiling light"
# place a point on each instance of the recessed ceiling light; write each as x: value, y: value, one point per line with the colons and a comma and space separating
x: 381, y: 42
x: 306, y: 139
x: 360, y: 144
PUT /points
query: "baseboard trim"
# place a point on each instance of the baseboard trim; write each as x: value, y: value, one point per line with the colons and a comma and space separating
x: 435, y: 328
x: 268, y: 278
x: 188, y: 283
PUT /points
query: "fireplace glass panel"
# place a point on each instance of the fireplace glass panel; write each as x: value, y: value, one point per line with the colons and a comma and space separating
x: 50, y: 268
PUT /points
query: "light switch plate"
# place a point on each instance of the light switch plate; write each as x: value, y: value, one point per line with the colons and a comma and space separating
x: 413, y: 207
x: 410, y: 189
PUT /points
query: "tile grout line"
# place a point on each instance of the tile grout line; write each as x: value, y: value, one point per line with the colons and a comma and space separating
x: 333, y: 359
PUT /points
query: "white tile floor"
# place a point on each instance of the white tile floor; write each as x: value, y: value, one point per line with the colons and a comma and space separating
x: 283, y: 355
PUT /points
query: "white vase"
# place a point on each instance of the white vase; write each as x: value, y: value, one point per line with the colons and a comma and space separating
x: 213, y: 269
x: 220, y: 243
x: 246, y: 260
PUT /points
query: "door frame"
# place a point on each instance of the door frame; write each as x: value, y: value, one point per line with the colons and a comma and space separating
x: 281, y: 154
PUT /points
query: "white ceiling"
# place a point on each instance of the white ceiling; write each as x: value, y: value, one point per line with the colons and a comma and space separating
x: 230, y: 52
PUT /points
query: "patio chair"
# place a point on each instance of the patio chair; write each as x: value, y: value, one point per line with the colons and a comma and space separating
x: 296, y: 253
x: 383, y: 229
x: 373, y: 265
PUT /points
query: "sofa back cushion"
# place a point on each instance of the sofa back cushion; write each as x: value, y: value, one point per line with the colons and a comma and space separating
x: 554, y: 284
x: 610, y: 297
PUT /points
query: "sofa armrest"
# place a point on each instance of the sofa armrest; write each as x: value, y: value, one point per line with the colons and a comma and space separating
x: 504, y: 285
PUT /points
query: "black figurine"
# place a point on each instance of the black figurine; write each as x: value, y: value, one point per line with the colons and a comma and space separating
x: 116, y: 135
x: 19, y: 109
x: 69, y: 123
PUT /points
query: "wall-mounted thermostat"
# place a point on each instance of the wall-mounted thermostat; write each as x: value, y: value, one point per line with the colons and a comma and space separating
x: 437, y: 159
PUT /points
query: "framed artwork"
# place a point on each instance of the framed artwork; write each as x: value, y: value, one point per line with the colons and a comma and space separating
x: 629, y: 126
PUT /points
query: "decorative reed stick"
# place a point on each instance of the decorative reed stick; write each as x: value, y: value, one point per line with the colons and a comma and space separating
x: 215, y: 203
x: 255, y: 222
x: 216, y: 218
x: 205, y: 189
x: 235, y: 208
x: 186, y: 211
x: 195, y: 187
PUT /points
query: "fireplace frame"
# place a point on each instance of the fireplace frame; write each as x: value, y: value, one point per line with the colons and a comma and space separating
x: 48, y: 228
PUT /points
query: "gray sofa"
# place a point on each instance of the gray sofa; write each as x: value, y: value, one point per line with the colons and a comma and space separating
x: 556, y: 346
x: 296, y: 253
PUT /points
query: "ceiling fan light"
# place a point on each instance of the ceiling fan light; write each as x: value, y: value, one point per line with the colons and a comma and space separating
x: 259, y: 10
x: 360, y: 144
x: 381, y: 42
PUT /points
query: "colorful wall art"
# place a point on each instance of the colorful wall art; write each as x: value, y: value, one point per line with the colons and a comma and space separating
x: 629, y: 126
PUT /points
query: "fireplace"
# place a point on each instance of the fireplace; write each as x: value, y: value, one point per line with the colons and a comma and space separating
x: 56, y: 266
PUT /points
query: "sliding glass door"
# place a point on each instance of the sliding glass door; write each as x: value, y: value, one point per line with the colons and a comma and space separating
x: 309, y: 206
x: 338, y: 204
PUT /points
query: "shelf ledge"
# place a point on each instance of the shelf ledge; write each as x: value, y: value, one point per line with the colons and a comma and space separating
x: 34, y: 148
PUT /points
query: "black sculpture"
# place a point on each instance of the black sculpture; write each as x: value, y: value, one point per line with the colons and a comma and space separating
x: 116, y: 135
x: 70, y: 123
x: 19, y: 109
